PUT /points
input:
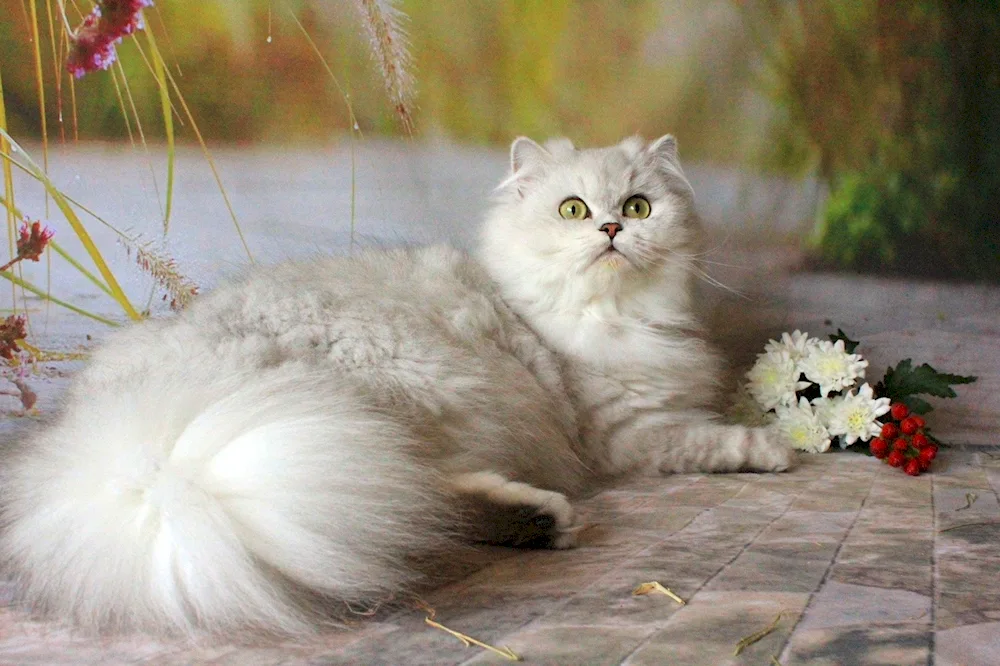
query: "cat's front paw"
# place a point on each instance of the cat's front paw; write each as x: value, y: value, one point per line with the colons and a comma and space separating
x: 767, y: 451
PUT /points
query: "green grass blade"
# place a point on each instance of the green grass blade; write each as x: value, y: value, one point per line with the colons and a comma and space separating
x: 12, y: 209
x: 168, y: 123
x: 8, y: 188
x: 24, y: 284
x: 80, y: 230
x: 78, y: 266
x: 36, y: 43
x: 9, y: 159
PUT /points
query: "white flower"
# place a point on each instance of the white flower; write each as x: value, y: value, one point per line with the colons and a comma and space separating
x: 746, y: 411
x: 853, y: 417
x: 802, y: 428
x: 825, y: 409
x: 774, y: 379
x: 797, y: 344
x: 831, y: 367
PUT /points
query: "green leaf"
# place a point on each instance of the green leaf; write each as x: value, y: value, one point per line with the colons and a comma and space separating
x: 904, y: 381
x: 849, y: 345
x: 917, y: 405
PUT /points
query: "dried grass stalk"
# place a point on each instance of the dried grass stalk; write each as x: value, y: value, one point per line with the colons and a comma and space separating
x: 747, y: 641
x: 504, y: 652
x: 179, y: 289
x: 647, y: 588
x: 976, y: 524
x: 390, y: 48
x: 970, y: 499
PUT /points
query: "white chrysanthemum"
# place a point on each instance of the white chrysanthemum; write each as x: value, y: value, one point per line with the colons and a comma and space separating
x: 828, y: 365
x: 854, y: 416
x: 802, y: 428
x: 825, y: 409
x: 774, y: 379
x: 745, y: 410
x: 797, y: 344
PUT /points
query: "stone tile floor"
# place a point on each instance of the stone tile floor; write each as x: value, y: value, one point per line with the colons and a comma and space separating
x: 865, y: 564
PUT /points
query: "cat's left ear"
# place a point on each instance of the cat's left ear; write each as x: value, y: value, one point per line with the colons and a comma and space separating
x: 664, y: 153
x: 666, y: 148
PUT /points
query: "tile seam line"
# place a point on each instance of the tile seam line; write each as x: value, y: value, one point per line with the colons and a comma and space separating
x: 829, y: 568
x: 932, y: 647
x: 636, y: 554
x: 656, y: 628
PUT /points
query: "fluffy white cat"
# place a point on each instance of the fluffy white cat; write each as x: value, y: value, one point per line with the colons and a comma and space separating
x: 309, y: 433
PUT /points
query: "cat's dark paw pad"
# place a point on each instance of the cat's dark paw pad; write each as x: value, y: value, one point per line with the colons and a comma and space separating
x: 548, y: 524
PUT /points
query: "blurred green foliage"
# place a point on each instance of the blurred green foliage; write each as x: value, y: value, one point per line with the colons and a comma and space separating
x: 486, y: 71
x: 897, y: 106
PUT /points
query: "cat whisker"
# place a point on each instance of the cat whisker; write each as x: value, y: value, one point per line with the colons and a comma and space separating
x: 693, y: 266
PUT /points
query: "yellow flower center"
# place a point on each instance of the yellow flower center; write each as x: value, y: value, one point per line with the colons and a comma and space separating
x: 857, y: 420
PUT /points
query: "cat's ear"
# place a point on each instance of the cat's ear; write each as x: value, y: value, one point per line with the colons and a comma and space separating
x: 664, y: 154
x: 560, y: 147
x: 666, y: 148
x: 527, y: 162
x: 525, y: 154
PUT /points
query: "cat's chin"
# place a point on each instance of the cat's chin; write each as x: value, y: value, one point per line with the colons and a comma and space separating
x: 612, y: 259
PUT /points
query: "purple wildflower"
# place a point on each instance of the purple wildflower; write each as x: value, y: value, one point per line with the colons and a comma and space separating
x: 12, y: 330
x: 93, y: 46
x: 32, y: 240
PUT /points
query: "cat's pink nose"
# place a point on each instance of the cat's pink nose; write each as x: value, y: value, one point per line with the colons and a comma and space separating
x: 611, y: 228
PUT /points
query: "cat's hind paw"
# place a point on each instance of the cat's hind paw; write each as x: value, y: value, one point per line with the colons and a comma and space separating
x: 509, y: 513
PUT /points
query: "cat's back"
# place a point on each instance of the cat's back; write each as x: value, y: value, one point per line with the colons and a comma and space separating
x: 422, y: 290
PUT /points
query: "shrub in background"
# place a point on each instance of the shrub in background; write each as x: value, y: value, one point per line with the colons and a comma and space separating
x: 897, y: 106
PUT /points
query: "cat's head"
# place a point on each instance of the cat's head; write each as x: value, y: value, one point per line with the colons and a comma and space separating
x: 570, y: 227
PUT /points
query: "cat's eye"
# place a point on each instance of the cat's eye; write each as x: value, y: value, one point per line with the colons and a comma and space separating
x: 573, y: 209
x: 636, y: 207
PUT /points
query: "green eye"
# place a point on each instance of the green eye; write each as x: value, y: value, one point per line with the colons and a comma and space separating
x: 636, y: 207
x: 573, y: 209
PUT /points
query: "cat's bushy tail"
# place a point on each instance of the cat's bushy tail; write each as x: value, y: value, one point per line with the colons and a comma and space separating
x: 253, y: 501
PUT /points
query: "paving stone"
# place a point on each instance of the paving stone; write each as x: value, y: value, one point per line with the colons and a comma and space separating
x: 875, y: 646
x: 569, y: 646
x: 844, y: 605
x: 707, y: 630
x: 972, y: 645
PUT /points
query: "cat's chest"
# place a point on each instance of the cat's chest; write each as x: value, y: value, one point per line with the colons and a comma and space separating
x: 609, y: 344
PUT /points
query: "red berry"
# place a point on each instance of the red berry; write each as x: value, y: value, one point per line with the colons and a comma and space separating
x: 896, y: 459
x: 899, y: 411
x: 920, y: 441
x: 890, y: 431
x: 924, y: 464
x: 901, y: 444
x: 913, y: 467
x: 928, y: 453
x: 908, y: 426
x: 919, y: 419
x: 879, y: 448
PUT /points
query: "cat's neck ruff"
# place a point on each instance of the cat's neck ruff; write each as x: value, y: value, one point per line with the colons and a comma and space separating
x: 624, y: 327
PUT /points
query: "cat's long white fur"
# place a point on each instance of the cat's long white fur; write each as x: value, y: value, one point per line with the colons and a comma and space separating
x: 299, y: 439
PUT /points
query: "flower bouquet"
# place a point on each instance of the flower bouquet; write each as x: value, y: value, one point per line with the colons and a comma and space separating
x: 814, y: 393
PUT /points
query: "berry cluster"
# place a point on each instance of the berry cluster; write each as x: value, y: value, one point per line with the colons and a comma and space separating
x: 903, y: 443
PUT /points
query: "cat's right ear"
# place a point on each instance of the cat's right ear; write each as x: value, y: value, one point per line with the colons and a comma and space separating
x: 526, y: 154
x: 527, y: 162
